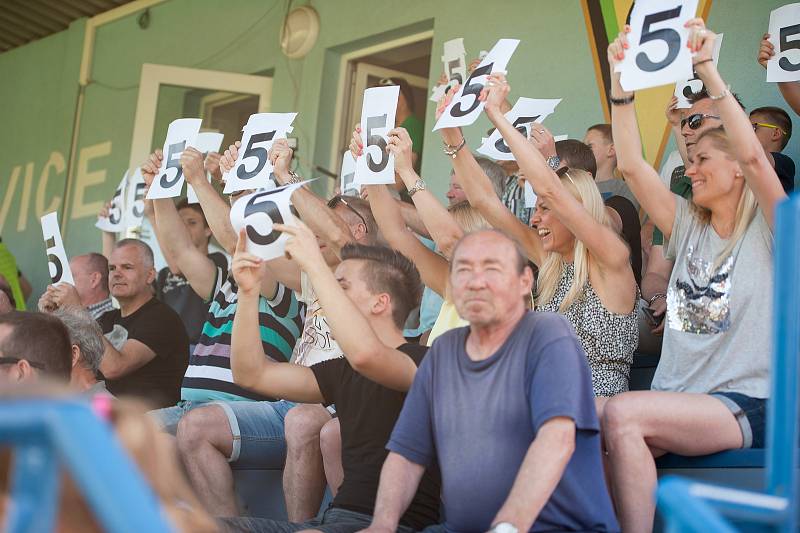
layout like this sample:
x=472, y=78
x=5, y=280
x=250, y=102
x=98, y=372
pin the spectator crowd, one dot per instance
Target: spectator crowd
x=460, y=367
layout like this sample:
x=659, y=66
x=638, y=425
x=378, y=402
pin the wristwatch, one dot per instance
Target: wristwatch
x=553, y=162
x=295, y=177
x=504, y=527
x=418, y=186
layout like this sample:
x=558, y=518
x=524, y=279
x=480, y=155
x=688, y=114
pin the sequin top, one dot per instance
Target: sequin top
x=607, y=338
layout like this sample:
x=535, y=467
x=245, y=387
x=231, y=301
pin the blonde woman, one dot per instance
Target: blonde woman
x=584, y=265
x=710, y=388
x=445, y=226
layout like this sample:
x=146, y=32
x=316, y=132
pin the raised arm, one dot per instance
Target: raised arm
x=603, y=242
x=173, y=237
x=362, y=347
x=432, y=267
x=758, y=171
x=674, y=118
x=251, y=368
x=643, y=180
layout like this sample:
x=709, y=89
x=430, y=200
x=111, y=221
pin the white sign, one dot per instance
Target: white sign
x=56, y=255
x=253, y=167
x=114, y=222
x=658, y=54
x=207, y=141
x=181, y=134
x=557, y=138
x=465, y=107
x=524, y=112
x=348, y=174
x=530, y=196
x=376, y=165
x=784, y=34
x=455, y=66
x=258, y=212
x=685, y=88
x=134, y=199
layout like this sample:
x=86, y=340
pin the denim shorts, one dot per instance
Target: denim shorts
x=257, y=428
x=750, y=414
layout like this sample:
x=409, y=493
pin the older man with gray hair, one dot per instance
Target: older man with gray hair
x=86, y=338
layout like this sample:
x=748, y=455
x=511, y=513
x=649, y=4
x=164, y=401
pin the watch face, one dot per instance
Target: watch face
x=505, y=527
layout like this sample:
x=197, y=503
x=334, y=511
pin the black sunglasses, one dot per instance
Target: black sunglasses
x=15, y=360
x=696, y=120
x=336, y=200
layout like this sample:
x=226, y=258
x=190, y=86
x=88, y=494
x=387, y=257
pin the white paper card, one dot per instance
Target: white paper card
x=557, y=138
x=530, y=196
x=524, y=112
x=114, y=222
x=258, y=212
x=454, y=60
x=683, y=89
x=56, y=255
x=134, y=199
x=784, y=34
x=181, y=134
x=658, y=54
x=376, y=165
x=465, y=107
x=348, y=184
x=207, y=141
x=253, y=167
x=438, y=93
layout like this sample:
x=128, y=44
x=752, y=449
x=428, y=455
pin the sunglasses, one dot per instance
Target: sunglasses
x=564, y=171
x=15, y=360
x=765, y=125
x=336, y=200
x=696, y=120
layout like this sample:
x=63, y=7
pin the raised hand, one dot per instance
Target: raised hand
x=302, y=246
x=356, y=144
x=701, y=40
x=495, y=92
x=228, y=159
x=672, y=112
x=64, y=295
x=446, y=99
x=765, y=51
x=246, y=267
x=280, y=155
x=151, y=166
x=105, y=210
x=543, y=140
x=400, y=145
x=193, y=165
x=212, y=165
x=616, y=50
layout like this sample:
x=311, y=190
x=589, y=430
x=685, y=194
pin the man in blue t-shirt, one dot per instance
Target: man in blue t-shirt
x=505, y=406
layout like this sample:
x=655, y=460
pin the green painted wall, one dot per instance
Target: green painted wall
x=553, y=60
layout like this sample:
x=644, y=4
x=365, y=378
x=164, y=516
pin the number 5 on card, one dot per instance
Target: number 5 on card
x=784, y=34
x=658, y=54
x=376, y=165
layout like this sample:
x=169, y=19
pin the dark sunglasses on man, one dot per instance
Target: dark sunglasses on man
x=696, y=120
x=338, y=199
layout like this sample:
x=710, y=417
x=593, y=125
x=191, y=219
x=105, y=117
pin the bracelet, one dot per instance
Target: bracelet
x=451, y=150
x=656, y=297
x=621, y=101
x=701, y=62
x=296, y=178
x=721, y=95
x=419, y=185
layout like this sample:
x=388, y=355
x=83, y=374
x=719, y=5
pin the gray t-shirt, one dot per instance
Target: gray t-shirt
x=719, y=320
x=616, y=187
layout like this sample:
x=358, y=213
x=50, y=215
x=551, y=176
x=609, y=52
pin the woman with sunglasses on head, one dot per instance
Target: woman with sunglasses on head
x=710, y=388
x=584, y=265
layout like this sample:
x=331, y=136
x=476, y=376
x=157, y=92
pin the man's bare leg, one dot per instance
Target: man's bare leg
x=303, y=475
x=330, y=442
x=205, y=443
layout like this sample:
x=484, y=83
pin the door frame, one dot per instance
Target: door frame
x=347, y=81
x=154, y=76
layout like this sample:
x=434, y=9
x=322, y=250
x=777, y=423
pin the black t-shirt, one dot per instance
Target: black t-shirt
x=367, y=413
x=160, y=329
x=175, y=291
x=784, y=168
x=631, y=231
